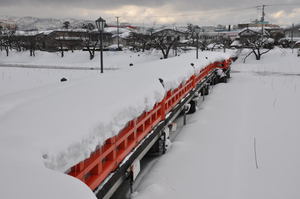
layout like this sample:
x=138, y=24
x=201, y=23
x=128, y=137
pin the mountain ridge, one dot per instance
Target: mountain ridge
x=36, y=23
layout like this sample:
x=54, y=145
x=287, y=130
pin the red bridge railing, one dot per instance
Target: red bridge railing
x=106, y=158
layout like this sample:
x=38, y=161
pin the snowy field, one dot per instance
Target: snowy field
x=112, y=59
x=47, y=123
x=18, y=79
x=213, y=157
x=243, y=143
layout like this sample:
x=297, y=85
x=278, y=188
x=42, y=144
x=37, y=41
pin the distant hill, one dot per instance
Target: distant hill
x=32, y=23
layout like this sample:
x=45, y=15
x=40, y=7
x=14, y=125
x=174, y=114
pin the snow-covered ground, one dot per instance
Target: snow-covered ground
x=44, y=122
x=112, y=59
x=255, y=114
x=18, y=79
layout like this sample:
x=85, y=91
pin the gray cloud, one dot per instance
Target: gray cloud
x=103, y=4
x=197, y=11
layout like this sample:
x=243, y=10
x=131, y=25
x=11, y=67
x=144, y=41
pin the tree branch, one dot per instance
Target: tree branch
x=244, y=61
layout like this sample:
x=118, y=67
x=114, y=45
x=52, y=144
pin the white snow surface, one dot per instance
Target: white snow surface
x=59, y=125
x=111, y=60
x=213, y=156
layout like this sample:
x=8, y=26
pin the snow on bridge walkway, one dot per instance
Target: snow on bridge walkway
x=213, y=157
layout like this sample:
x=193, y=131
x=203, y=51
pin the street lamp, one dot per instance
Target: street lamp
x=197, y=31
x=100, y=23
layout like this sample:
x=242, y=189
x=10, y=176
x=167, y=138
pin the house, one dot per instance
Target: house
x=251, y=34
x=257, y=24
x=54, y=40
x=74, y=39
x=169, y=35
x=29, y=40
x=292, y=33
x=236, y=44
x=119, y=35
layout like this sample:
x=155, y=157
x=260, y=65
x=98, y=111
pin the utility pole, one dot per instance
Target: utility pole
x=292, y=38
x=118, y=32
x=292, y=33
x=262, y=20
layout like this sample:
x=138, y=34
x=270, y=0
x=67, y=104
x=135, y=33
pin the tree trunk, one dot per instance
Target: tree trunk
x=7, y=51
x=257, y=57
x=258, y=54
x=92, y=55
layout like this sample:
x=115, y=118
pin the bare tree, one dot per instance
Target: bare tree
x=90, y=43
x=66, y=25
x=258, y=45
x=88, y=26
x=203, y=44
x=165, y=40
x=191, y=32
x=7, y=41
x=139, y=41
x=32, y=45
x=61, y=44
x=224, y=42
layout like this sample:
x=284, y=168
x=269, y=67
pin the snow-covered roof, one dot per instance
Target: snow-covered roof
x=122, y=35
x=27, y=33
x=114, y=30
x=254, y=29
x=167, y=30
x=270, y=40
x=236, y=43
x=114, y=46
x=214, y=45
x=125, y=35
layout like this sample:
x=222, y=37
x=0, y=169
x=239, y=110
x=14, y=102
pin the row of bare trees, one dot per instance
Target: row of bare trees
x=9, y=41
x=159, y=40
x=168, y=39
x=164, y=40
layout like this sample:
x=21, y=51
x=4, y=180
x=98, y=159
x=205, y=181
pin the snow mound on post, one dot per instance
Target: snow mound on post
x=64, y=126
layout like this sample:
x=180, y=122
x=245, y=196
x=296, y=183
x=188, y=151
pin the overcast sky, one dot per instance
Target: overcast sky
x=202, y=12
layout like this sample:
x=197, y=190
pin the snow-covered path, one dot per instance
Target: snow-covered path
x=213, y=157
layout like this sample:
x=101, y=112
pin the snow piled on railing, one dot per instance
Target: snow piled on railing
x=63, y=127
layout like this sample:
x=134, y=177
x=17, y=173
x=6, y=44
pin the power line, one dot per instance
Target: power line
x=283, y=4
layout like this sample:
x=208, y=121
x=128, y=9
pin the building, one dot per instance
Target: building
x=54, y=40
x=257, y=24
x=170, y=34
x=250, y=34
x=292, y=33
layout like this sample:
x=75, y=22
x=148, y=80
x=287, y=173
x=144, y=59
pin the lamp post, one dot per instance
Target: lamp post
x=100, y=23
x=118, y=32
x=197, y=30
